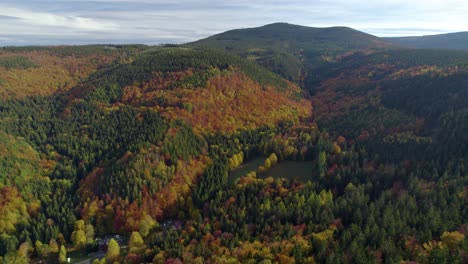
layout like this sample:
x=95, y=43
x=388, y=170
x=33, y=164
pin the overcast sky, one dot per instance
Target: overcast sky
x=54, y=22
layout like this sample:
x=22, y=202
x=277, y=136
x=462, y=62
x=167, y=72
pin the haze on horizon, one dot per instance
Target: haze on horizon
x=57, y=22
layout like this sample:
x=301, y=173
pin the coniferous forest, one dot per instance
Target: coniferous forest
x=339, y=147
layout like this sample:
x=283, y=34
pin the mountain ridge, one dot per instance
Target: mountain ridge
x=292, y=29
x=455, y=40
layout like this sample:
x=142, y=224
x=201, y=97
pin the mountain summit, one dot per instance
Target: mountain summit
x=291, y=37
x=287, y=49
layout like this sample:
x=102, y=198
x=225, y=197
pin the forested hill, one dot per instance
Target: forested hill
x=210, y=89
x=454, y=41
x=293, y=37
x=291, y=50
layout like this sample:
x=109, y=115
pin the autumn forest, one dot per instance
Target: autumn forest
x=277, y=144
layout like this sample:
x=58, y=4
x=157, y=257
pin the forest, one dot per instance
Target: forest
x=172, y=148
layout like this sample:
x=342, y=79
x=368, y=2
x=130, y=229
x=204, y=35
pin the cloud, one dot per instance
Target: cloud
x=53, y=20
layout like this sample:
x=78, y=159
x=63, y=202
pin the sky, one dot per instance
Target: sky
x=73, y=22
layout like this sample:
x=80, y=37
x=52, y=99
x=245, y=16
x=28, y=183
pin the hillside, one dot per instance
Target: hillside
x=454, y=41
x=394, y=97
x=210, y=90
x=292, y=50
x=28, y=71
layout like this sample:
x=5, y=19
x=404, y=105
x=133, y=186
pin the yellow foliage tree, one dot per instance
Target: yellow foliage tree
x=13, y=210
x=235, y=161
x=79, y=238
x=159, y=258
x=136, y=244
x=452, y=239
x=146, y=224
x=63, y=254
x=102, y=261
x=273, y=159
x=79, y=225
x=240, y=157
x=113, y=250
x=430, y=245
x=325, y=235
x=89, y=230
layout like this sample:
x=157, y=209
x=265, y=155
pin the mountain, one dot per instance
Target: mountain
x=291, y=38
x=291, y=50
x=455, y=41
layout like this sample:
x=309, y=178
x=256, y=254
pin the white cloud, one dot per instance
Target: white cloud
x=54, y=20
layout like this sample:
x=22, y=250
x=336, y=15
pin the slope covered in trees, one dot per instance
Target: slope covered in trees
x=28, y=71
x=391, y=90
x=210, y=90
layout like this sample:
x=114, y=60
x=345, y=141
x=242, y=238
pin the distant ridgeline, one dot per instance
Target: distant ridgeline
x=173, y=147
x=450, y=41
